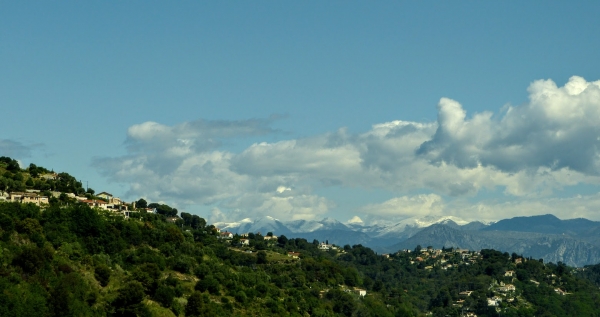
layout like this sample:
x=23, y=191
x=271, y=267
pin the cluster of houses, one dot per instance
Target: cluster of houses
x=107, y=202
x=358, y=291
x=326, y=246
x=441, y=257
x=503, y=292
x=244, y=236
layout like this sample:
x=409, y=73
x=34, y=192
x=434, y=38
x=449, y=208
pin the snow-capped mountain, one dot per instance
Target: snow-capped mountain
x=313, y=225
x=409, y=226
x=262, y=225
x=303, y=225
x=580, y=237
x=354, y=231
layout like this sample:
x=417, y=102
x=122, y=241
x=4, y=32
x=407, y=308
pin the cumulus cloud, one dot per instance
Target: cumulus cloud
x=525, y=151
x=287, y=207
x=557, y=128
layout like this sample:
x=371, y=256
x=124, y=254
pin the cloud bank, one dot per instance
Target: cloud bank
x=523, y=152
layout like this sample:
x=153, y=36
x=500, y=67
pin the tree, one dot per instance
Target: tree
x=164, y=209
x=164, y=295
x=129, y=300
x=194, y=305
x=209, y=284
x=102, y=274
x=198, y=222
x=141, y=203
x=282, y=240
x=187, y=218
x=261, y=257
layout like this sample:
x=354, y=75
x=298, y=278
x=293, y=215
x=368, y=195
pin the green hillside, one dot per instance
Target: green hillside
x=67, y=259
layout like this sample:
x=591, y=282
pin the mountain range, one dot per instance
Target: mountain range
x=575, y=242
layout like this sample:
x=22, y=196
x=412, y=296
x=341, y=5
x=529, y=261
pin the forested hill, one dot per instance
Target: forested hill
x=77, y=261
x=65, y=258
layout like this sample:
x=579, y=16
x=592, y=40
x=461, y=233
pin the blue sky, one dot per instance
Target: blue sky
x=308, y=109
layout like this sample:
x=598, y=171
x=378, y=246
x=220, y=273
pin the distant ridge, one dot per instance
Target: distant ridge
x=573, y=241
x=544, y=224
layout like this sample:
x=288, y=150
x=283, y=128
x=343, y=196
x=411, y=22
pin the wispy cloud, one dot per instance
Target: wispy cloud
x=14, y=149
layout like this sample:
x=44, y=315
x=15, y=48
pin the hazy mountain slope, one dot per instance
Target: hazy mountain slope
x=474, y=226
x=551, y=248
x=544, y=224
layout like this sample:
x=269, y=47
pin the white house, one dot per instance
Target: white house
x=226, y=235
x=105, y=195
x=96, y=203
x=361, y=292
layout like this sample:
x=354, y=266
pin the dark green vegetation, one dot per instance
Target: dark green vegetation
x=74, y=260
x=591, y=273
x=71, y=260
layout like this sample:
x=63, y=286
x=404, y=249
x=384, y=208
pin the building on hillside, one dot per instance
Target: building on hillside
x=535, y=282
x=226, y=235
x=324, y=246
x=105, y=195
x=173, y=219
x=294, y=255
x=507, y=288
x=25, y=198
x=127, y=213
x=465, y=293
x=245, y=241
x=95, y=203
x=560, y=291
x=493, y=301
x=361, y=292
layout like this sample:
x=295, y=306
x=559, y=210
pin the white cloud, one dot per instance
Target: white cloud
x=557, y=128
x=290, y=207
x=565, y=208
x=407, y=206
x=578, y=206
x=526, y=151
x=216, y=215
